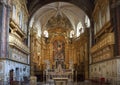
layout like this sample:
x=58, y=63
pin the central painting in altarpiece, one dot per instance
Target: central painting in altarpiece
x=59, y=53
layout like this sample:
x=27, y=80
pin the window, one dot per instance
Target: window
x=14, y=12
x=108, y=13
x=71, y=33
x=100, y=20
x=79, y=29
x=20, y=19
x=46, y=33
x=97, y=22
x=25, y=28
x=87, y=21
x=103, y=16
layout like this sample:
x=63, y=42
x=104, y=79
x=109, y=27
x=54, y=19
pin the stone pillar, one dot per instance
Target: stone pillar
x=4, y=28
x=115, y=18
x=66, y=56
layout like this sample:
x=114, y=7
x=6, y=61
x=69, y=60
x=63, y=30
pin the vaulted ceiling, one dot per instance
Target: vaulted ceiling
x=51, y=13
x=86, y=5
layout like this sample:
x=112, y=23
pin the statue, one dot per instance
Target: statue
x=47, y=64
x=70, y=65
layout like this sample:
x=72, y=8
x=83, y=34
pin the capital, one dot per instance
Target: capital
x=5, y=2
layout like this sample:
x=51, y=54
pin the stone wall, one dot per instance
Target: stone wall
x=110, y=70
x=23, y=70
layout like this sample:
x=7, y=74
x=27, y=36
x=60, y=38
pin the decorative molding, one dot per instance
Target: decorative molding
x=107, y=40
x=18, y=44
x=13, y=25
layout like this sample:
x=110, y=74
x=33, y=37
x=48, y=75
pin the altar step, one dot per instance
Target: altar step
x=69, y=83
x=72, y=83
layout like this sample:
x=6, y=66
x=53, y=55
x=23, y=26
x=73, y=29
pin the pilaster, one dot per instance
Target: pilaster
x=118, y=25
x=4, y=27
x=115, y=14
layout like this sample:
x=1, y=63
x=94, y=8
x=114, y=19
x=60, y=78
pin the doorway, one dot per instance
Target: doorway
x=11, y=74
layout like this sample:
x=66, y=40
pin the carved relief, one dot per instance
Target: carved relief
x=103, y=49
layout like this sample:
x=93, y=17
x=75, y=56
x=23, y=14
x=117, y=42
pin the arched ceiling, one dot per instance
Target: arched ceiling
x=70, y=11
x=86, y=5
x=40, y=15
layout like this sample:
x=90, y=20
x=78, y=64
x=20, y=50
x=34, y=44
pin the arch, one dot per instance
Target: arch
x=86, y=5
x=59, y=37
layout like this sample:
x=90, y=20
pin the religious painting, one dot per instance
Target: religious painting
x=59, y=52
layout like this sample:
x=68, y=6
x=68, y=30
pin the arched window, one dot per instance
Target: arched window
x=14, y=12
x=25, y=28
x=80, y=29
x=100, y=20
x=46, y=33
x=107, y=13
x=87, y=21
x=71, y=33
x=20, y=19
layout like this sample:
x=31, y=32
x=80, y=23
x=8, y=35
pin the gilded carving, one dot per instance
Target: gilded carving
x=59, y=21
x=107, y=40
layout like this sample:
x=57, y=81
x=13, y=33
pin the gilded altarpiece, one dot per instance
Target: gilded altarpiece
x=59, y=53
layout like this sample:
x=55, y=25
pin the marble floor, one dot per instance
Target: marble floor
x=62, y=83
x=71, y=83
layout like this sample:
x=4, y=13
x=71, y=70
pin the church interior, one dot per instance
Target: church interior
x=59, y=42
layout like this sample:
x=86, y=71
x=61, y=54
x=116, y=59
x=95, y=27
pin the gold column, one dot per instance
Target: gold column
x=51, y=54
x=74, y=55
x=66, y=55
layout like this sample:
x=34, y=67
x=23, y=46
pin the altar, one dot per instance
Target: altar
x=60, y=76
x=60, y=81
